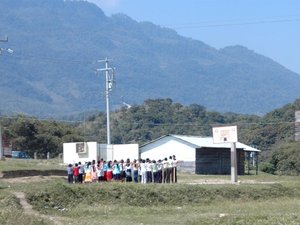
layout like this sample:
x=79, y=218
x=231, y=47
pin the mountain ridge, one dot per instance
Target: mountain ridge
x=57, y=44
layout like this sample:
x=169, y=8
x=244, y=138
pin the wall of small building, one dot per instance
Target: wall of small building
x=166, y=147
x=123, y=151
x=95, y=151
x=218, y=161
x=70, y=156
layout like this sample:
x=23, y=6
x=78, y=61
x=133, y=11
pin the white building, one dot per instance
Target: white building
x=87, y=151
x=198, y=154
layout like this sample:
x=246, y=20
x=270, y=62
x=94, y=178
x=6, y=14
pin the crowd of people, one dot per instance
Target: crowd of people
x=138, y=171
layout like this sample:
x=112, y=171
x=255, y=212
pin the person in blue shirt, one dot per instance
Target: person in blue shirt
x=116, y=171
x=70, y=173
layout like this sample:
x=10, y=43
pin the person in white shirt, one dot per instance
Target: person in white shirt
x=149, y=171
x=143, y=172
x=159, y=171
x=155, y=172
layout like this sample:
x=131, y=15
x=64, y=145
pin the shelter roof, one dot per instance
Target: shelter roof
x=202, y=142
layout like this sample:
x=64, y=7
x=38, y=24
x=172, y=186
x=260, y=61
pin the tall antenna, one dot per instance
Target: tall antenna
x=109, y=76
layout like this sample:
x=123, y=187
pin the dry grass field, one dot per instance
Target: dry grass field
x=256, y=199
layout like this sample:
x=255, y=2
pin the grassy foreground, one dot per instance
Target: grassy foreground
x=262, y=199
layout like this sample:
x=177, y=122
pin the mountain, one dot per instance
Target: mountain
x=57, y=44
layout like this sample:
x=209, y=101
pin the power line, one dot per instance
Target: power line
x=53, y=60
x=158, y=124
x=201, y=25
x=41, y=119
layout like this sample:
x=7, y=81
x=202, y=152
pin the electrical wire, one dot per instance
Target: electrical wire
x=160, y=124
x=51, y=60
x=202, y=25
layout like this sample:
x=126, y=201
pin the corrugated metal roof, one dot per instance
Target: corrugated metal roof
x=200, y=142
x=208, y=142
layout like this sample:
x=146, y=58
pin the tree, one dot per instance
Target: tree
x=35, y=136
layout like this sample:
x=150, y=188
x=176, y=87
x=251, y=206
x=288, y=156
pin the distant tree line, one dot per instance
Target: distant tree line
x=272, y=133
x=39, y=136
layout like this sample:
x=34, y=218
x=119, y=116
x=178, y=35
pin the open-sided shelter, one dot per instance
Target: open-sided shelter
x=197, y=154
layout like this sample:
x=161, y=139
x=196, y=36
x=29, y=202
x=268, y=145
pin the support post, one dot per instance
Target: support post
x=256, y=159
x=248, y=160
x=233, y=163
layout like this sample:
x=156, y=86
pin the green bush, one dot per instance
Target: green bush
x=267, y=167
x=286, y=159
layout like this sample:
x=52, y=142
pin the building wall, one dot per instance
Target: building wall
x=95, y=151
x=70, y=156
x=217, y=161
x=166, y=147
x=125, y=151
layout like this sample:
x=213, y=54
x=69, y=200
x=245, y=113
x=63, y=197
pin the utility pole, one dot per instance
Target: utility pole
x=109, y=76
x=9, y=51
x=1, y=147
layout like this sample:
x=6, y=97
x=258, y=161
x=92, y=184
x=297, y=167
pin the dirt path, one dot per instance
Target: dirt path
x=30, y=211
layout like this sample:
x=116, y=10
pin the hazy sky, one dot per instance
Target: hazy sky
x=269, y=27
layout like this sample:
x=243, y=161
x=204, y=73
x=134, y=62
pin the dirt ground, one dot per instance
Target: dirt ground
x=27, y=208
x=28, y=179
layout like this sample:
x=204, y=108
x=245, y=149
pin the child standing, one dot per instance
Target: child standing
x=159, y=170
x=70, y=173
x=149, y=171
x=116, y=171
x=76, y=173
x=88, y=173
x=155, y=172
x=128, y=168
x=135, y=171
x=81, y=172
x=109, y=174
x=143, y=172
x=101, y=170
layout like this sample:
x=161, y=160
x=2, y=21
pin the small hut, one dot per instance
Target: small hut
x=197, y=154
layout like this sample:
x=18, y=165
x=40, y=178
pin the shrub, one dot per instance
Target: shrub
x=267, y=167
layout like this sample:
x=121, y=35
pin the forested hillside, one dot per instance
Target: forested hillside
x=57, y=44
x=273, y=134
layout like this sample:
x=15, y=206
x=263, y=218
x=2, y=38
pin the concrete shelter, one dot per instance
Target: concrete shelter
x=198, y=154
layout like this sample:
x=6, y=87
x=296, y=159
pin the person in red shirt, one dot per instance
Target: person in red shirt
x=76, y=173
